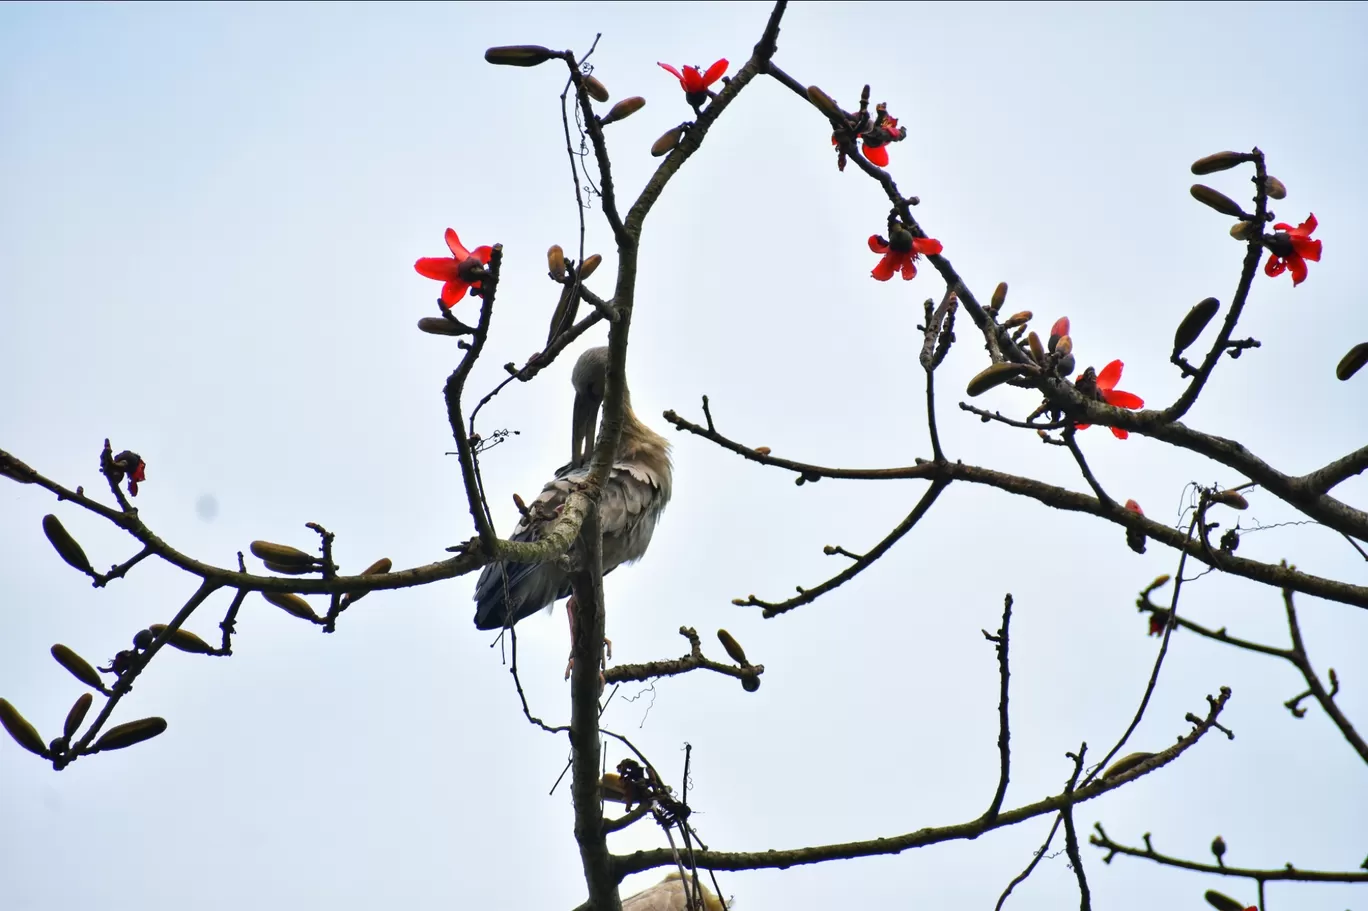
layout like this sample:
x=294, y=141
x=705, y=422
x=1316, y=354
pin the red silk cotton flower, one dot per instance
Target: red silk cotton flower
x=460, y=271
x=1106, y=388
x=900, y=254
x=1291, y=248
x=694, y=82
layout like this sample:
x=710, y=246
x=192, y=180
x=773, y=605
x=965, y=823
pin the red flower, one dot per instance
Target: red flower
x=1134, y=507
x=136, y=477
x=695, y=83
x=1106, y=387
x=901, y=254
x=1291, y=248
x=1157, y=623
x=459, y=271
x=874, y=145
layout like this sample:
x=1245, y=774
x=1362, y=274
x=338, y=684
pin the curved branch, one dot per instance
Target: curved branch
x=1288, y=873
x=671, y=667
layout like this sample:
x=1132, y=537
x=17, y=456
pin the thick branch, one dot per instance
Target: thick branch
x=1323, y=479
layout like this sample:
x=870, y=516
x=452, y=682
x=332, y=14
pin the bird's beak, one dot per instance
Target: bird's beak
x=584, y=425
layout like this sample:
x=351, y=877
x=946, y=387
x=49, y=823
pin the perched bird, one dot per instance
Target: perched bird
x=637, y=489
x=669, y=895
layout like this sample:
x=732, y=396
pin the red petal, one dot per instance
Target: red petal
x=1061, y=327
x=715, y=72
x=878, y=244
x=928, y=246
x=672, y=71
x=1134, y=507
x=1082, y=426
x=483, y=254
x=1124, y=399
x=1110, y=375
x=441, y=269
x=1307, y=248
x=1275, y=267
x=1308, y=226
x=1283, y=226
x=693, y=80
x=454, y=244
x=139, y=474
x=1298, y=267
x=877, y=155
x=1119, y=433
x=909, y=269
x=452, y=292
x=886, y=267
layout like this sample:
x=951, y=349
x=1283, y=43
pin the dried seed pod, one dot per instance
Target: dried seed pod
x=623, y=109
x=519, y=55
x=385, y=564
x=825, y=103
x=999, y=297
x=733, y=647
x=80, y=668
x=1125, y=764
x=763, y=450
x=24, y=734
x=66, y=545
x=555, y=262
x=282, y=554
x=436, y=325
x=995, y=375
x=77, y=715
x=1231, y=498
x=129, y=733
x=289, y=570
x=1245, y=230
x=597, y=90
x=1221, y=161
x=668, y=140
x=1275, y=187
x=1193, y=324
x=1017, y=319
x=750, y=684
x=292, y=604
x=590, y=264
x=1353, y=361
x=1223, y=902
x=184, y=640
x=1216, y=200
x=1037, y=349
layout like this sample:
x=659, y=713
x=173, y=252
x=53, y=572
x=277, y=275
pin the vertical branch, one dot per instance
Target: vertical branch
x=1071, y=837
x=1313, y=681
x=1004, y=729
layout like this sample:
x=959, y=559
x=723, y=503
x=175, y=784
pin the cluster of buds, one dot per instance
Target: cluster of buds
x=874, y=131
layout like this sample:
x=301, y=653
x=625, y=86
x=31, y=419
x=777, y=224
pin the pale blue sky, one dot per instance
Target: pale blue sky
x=208, y=219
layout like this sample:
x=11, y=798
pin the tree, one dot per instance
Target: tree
x=1056, y=570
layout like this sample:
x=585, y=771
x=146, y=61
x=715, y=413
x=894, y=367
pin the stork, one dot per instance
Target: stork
x=630, y=504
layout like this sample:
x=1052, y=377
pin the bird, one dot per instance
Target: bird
x=669, y=895
x=630, y=504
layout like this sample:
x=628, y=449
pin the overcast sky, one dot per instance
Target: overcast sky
x=208, y=219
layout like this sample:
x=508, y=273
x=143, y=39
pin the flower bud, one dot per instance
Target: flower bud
x=1231, y=498
x=1223, y=902
x=1216, y=200
x=1058, y=331
x=750, y=684
x=1125, y=764
x=281, y=554
x=519, y=55
x=1159, y=582
x=1017, y=319
x=78, y=666
x=999, y=297
x=824, y=103
x=1218, y=847
x=666, y=143
x=289, y=570
x=66, y=545
x=184, y=640
x=292, y=604
x=624, y=109
x=591, y=262
x=436, y=325
x=19, y=728
x=142, y=639
x=129, y=733
x=1245, y=230
x=1221, y=161
x=597, y=90
x=1062, y=348
x=1193, y=324
x=385, y=564
x=1275, y=187
x=1353, y=361
x=1037, y=349
x=763, y=450
x=733, y=647
x=555, y=262
x=995, y=375
x=77, y=715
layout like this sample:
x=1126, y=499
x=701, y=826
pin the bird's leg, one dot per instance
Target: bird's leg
x=607, y=645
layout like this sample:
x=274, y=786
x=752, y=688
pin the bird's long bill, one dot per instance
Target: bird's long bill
x=584, y=424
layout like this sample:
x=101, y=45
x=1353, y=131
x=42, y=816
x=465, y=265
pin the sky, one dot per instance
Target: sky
x=208, y=219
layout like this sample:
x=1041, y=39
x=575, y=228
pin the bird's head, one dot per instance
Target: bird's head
x=590, y=379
